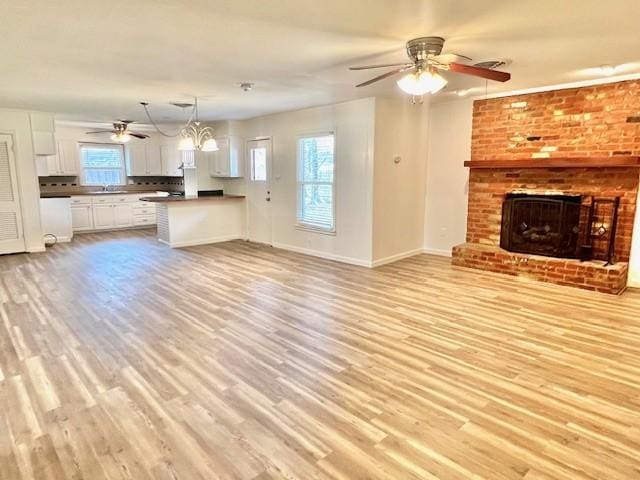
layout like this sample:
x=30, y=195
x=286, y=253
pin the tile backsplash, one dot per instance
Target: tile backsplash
x=134, y=184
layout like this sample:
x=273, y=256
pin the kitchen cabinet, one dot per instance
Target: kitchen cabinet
x=64, y=163
x=143, y=159
x=122, y=215
x=228, y=161
x=43, y=133
x=111, y=212
x=103, y=216
x=81, y=216
x=171, y=160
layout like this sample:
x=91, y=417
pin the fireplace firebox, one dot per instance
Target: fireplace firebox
x=549, y=225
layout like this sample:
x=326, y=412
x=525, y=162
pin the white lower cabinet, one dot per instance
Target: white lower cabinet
x=103, y=216
x=81, y=218
x=110, y=212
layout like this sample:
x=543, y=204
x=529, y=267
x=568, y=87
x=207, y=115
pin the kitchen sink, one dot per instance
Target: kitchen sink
x=108, y=193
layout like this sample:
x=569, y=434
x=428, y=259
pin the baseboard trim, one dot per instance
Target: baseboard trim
x=202, y=241
x=327, y=256
x=437, y=251
x=396, y=257
x=38, y=249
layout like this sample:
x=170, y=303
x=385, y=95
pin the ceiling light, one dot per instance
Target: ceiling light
x=121, y=137
x=194, y=135
x=607, y=70
x=421, y=82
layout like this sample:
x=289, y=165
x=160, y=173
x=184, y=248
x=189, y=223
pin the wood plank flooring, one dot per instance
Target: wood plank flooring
x=123, y=359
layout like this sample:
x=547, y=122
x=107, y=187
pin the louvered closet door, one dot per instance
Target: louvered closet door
x=11, y=238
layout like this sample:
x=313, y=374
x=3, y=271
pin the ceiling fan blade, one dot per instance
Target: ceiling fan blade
x=100, y=131
x=384, y=75
x=480, y=72
x=367, y=67
x=137, y=134
x=447, y=58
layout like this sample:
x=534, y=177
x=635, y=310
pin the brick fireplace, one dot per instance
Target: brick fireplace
x=581, y=142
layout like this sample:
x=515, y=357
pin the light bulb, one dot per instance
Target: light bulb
x=210, y=145
x=186, y=144
x=121, y=137
x=419, y=83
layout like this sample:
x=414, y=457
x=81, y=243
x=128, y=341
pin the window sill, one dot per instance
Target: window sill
x=313, y=229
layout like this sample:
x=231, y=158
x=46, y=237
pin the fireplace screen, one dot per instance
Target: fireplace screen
x=542, y=224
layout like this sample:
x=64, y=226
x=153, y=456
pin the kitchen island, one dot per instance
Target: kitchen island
x=187, y=221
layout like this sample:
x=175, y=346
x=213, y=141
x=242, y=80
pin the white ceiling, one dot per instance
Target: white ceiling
x=96, y=59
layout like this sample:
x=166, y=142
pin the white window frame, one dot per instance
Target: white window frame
x=123, y=173
x=300, y=223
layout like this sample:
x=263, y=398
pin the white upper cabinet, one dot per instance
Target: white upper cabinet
x=228, y=161
x=154, y=159
x=43, y=133
x=171, y=160
x=68, y=157
x=64, y=162
x=143, y=159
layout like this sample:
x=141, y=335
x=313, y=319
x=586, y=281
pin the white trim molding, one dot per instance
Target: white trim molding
x=327, y=256
x=437, y=251
x=396, y=257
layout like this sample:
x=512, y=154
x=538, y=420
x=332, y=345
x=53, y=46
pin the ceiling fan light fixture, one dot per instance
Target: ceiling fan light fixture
x=121, y=137
x=210, y=145
x=420, y=83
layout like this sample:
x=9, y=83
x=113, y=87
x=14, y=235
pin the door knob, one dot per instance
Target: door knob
x=268, y=199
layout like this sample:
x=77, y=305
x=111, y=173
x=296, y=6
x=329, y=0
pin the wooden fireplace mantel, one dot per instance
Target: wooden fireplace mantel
x=564, y=162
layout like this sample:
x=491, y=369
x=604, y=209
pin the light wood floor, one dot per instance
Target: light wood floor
x=123, y=359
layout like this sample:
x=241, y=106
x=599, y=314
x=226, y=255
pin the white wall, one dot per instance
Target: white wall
x=353, y=124
x=399, y=188
x=17, y=124
x=447, y=179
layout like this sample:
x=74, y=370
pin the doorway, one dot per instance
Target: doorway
x=259, y=222
x=11, y=234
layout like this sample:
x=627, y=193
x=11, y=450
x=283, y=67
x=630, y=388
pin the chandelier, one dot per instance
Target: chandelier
x=193, y=135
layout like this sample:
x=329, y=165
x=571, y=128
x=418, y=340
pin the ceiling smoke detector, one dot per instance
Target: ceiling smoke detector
x=246, y=86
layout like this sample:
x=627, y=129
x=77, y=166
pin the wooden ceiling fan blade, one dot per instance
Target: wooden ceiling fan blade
x=480, y=72
x=137, y=134
x=385, y=75
x=367, y=67
x=100, y=131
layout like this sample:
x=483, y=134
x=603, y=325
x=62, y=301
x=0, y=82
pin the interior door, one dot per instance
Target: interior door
x=11, y=234
x=259, y=191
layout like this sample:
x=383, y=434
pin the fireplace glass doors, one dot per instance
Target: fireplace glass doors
x=542, y=224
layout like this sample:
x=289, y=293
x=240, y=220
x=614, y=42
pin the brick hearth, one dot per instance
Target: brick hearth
x=564, y=124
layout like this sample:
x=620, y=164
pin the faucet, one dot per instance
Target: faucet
x=106, y=187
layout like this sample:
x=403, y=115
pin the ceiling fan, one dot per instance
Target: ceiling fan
x=120, y=132
x=427, y=59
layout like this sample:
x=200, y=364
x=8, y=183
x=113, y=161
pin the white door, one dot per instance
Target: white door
x=11, y=235
x=81, y=218
x=259, y=191
x=103, y=216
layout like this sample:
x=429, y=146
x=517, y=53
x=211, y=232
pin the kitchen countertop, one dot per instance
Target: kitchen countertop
x=175, y=199
x=93, y=194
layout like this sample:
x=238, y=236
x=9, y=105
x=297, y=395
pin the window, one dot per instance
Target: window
x=259, y=164
x=316, y=193
x=102, y=164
